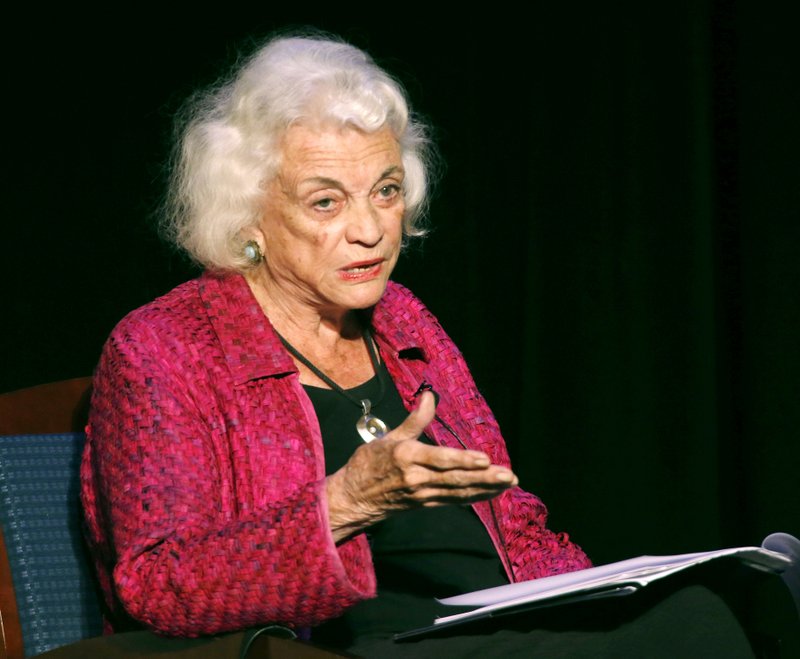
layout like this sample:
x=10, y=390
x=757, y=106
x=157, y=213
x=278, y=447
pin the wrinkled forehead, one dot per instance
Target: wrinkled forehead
x=334, y=151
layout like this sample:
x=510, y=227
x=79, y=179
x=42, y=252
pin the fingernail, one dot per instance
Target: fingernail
x=506, y=476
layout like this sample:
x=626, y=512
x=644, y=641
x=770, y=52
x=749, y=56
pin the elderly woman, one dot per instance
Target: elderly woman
x=292, y=438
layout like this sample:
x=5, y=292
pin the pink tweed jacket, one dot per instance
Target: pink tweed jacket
x=203, y=475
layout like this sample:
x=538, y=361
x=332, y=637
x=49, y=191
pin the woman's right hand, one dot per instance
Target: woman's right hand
x=398, y=472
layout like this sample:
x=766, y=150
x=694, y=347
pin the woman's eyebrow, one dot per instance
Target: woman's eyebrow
x=323, y=180
x=394, y=169
x=334, y=183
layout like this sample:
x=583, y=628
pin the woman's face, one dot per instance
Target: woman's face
x=332, y=221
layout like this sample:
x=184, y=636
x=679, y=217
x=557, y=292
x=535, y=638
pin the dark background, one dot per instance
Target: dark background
x=614, y=242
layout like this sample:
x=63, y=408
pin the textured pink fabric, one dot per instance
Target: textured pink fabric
x=203, y=475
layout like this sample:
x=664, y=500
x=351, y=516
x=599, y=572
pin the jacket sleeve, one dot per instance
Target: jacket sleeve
x=158, y=489
x=535, y=551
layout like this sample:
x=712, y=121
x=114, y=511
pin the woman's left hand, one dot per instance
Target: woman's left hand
x=398, y=472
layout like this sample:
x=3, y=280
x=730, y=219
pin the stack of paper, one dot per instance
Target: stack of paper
x=779, y=553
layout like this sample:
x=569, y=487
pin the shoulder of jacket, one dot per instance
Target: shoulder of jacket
x=398, y=297
x=173, y=313
x=403, y=313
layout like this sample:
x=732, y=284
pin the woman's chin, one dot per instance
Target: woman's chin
x=365, y=296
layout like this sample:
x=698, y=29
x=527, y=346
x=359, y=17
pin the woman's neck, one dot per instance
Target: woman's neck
x=300, y=320
x=332, y=340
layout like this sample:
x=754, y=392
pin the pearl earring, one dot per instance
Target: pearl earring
x=253, y=253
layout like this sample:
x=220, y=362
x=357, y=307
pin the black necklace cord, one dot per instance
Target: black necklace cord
x=373, y=358
x=425, y=386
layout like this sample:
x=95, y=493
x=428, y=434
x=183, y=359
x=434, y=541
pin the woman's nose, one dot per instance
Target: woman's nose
x=364, y=224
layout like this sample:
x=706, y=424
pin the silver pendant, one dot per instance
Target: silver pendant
x=370, y=427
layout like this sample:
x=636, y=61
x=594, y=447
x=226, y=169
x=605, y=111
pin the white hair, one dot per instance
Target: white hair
x=229, y=138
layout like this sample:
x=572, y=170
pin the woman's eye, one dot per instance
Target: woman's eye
x=324, y=204
x=388, y=191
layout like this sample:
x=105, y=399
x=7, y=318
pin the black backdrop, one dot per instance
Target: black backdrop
x=614, y=244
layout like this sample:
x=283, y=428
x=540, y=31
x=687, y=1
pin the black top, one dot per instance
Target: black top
x=418, y=554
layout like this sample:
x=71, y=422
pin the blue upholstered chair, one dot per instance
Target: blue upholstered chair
x=48, y=596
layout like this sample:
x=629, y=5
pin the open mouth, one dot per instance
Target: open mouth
x=357, y=270
x=360, y=268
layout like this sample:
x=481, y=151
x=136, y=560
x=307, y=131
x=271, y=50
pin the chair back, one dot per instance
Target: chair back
x=48, y=595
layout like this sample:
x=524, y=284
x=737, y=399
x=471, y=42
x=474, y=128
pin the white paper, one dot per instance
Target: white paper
x=780, y=553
